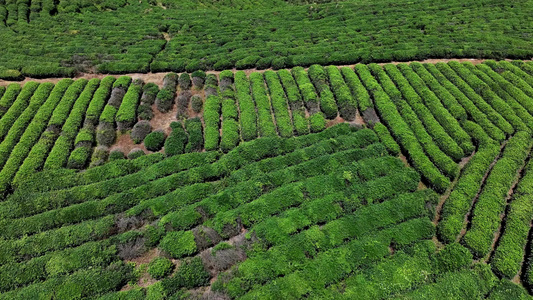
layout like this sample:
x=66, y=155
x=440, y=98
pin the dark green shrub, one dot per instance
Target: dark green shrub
x=160, y=267
x=155, y=140
x=386, y=138
x=136, y=153
x=264, y=63
x=196, y=137
x=127, y=113
x=176, y=141
x=116, y=154
x=279, y=63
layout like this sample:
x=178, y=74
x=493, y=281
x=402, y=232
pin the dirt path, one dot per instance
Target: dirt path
x=157, y=78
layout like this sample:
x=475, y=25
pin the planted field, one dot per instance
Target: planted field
x=59, y=38
x=406, y=181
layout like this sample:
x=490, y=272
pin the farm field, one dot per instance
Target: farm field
x=405, y=181
x=59, y=38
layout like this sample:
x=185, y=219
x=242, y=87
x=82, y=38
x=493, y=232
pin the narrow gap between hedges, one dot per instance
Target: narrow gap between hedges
x=503, y=215
x=468, y=216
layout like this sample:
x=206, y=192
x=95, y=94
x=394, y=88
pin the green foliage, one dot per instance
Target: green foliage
x=197, y=103
x=265, y=122
x=127, y=113
x=160, y=267
x=176, y=141
x=450, y=125
x=115, y=155
x=318, y=76
x=492, y=199
x=212, y=122
x=401, y=131
x=136, y=153
x=347, y=104
x=178, y=244
x=248, y=117
x=479, y=117
x=190, y=274
x=483, y=106
x=511, y=248
x=155, y=140
x=279, y=104
x=150, y=91
x=453, y=258
x=99, y=99
x=386, y=138
x=466, y=188
x=439, y=156
x=59, y=154
x=317, y=122
x=79, y=157
x=9, y=97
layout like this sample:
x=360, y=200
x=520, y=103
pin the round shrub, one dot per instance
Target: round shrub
x=135, y=153
x=160, y=267
x=247, y=62
x=197, y=103
x=140, y=131
x=116, y=154
x=222, y=64
x=155, y=140
x=105, y=135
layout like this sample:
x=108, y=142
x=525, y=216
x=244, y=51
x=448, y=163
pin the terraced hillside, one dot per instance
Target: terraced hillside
x=397, y=181
x=59, y=38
